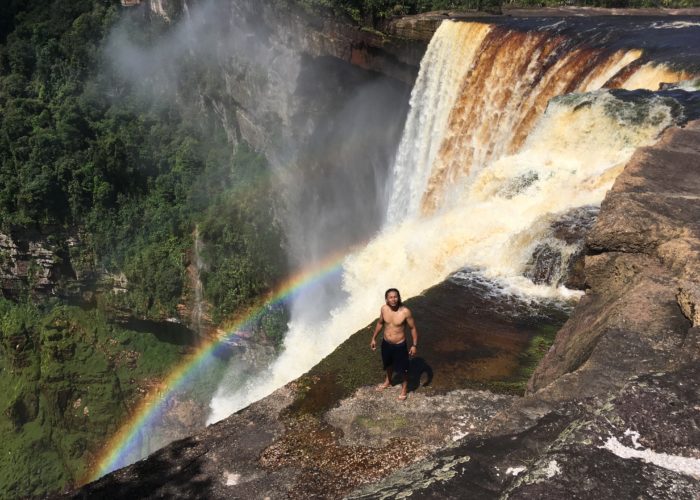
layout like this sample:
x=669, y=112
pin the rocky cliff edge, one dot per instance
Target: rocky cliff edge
x=611, y=411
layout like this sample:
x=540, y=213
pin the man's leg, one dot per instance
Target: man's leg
x=402, y=364
x=404, y=387
x=387, y=380
x=388, y=362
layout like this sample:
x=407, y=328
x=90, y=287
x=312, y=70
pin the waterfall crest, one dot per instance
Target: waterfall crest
x=507, y=79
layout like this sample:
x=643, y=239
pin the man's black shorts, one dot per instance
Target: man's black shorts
x=395, y=355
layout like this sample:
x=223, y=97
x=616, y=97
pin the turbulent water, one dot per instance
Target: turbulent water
x=508, y=130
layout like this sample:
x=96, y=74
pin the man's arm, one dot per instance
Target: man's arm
x=377, y=328
x=414, y=332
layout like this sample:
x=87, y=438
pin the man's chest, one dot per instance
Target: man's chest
x=394, y=318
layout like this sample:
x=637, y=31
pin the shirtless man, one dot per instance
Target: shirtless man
x=393, y=317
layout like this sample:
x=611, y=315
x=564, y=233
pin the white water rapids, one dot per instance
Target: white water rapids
x=489, y=155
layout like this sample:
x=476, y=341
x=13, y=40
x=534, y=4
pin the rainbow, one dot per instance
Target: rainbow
x=126, y=441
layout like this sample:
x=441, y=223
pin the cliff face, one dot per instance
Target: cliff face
x=26, y=266
x=60, y=265
x=263, y=93
x=324, y=100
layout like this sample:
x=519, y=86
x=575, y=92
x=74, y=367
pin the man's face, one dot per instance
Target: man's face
x=392, y=300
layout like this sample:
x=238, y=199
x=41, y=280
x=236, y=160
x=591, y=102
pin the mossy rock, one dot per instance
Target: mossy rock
x=68, y=395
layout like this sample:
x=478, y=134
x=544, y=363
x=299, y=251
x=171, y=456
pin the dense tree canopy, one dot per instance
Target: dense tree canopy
x=82, y=151
x=371, y=11
x=80, y=148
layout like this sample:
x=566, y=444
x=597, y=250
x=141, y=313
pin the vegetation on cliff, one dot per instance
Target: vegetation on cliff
x=371, y=11
x=80, y=147
x=68, y=378
x=83, y=151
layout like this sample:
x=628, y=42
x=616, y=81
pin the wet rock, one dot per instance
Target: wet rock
x=573, y=226
x=545, y=265
x=576, y=276
x=559, y=258
x=644, y=249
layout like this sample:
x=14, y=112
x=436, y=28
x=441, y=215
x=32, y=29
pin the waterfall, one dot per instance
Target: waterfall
x=198, y=308
x=509, y=76
x=447, y=60
x=493, y=219
x=529, y=135
x=506, y=130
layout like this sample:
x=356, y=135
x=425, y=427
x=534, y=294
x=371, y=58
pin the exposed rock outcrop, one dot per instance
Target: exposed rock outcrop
x=25, y=266
x=620, y=445
x=329, y=432
x=32, y=263
x=612, y=409
x=689, y=300
x=558, y=259
x=642, y=271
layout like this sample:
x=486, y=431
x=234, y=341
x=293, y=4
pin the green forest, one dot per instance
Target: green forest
x=84, y=153
x=79, y=149
x=369, y=12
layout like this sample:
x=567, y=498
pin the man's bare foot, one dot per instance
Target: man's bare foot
x=383, y=386
x=402, y=397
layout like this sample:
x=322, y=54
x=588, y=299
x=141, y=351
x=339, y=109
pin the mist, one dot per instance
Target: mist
x=329, y=131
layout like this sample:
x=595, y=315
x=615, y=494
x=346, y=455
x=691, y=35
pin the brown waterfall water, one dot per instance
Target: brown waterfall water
x=508, y=78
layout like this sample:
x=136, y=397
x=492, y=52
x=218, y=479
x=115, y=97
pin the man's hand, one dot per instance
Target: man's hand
x=377, y=328
x=412, y=351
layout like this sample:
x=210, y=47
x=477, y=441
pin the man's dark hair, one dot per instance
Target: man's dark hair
x=386, y=295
